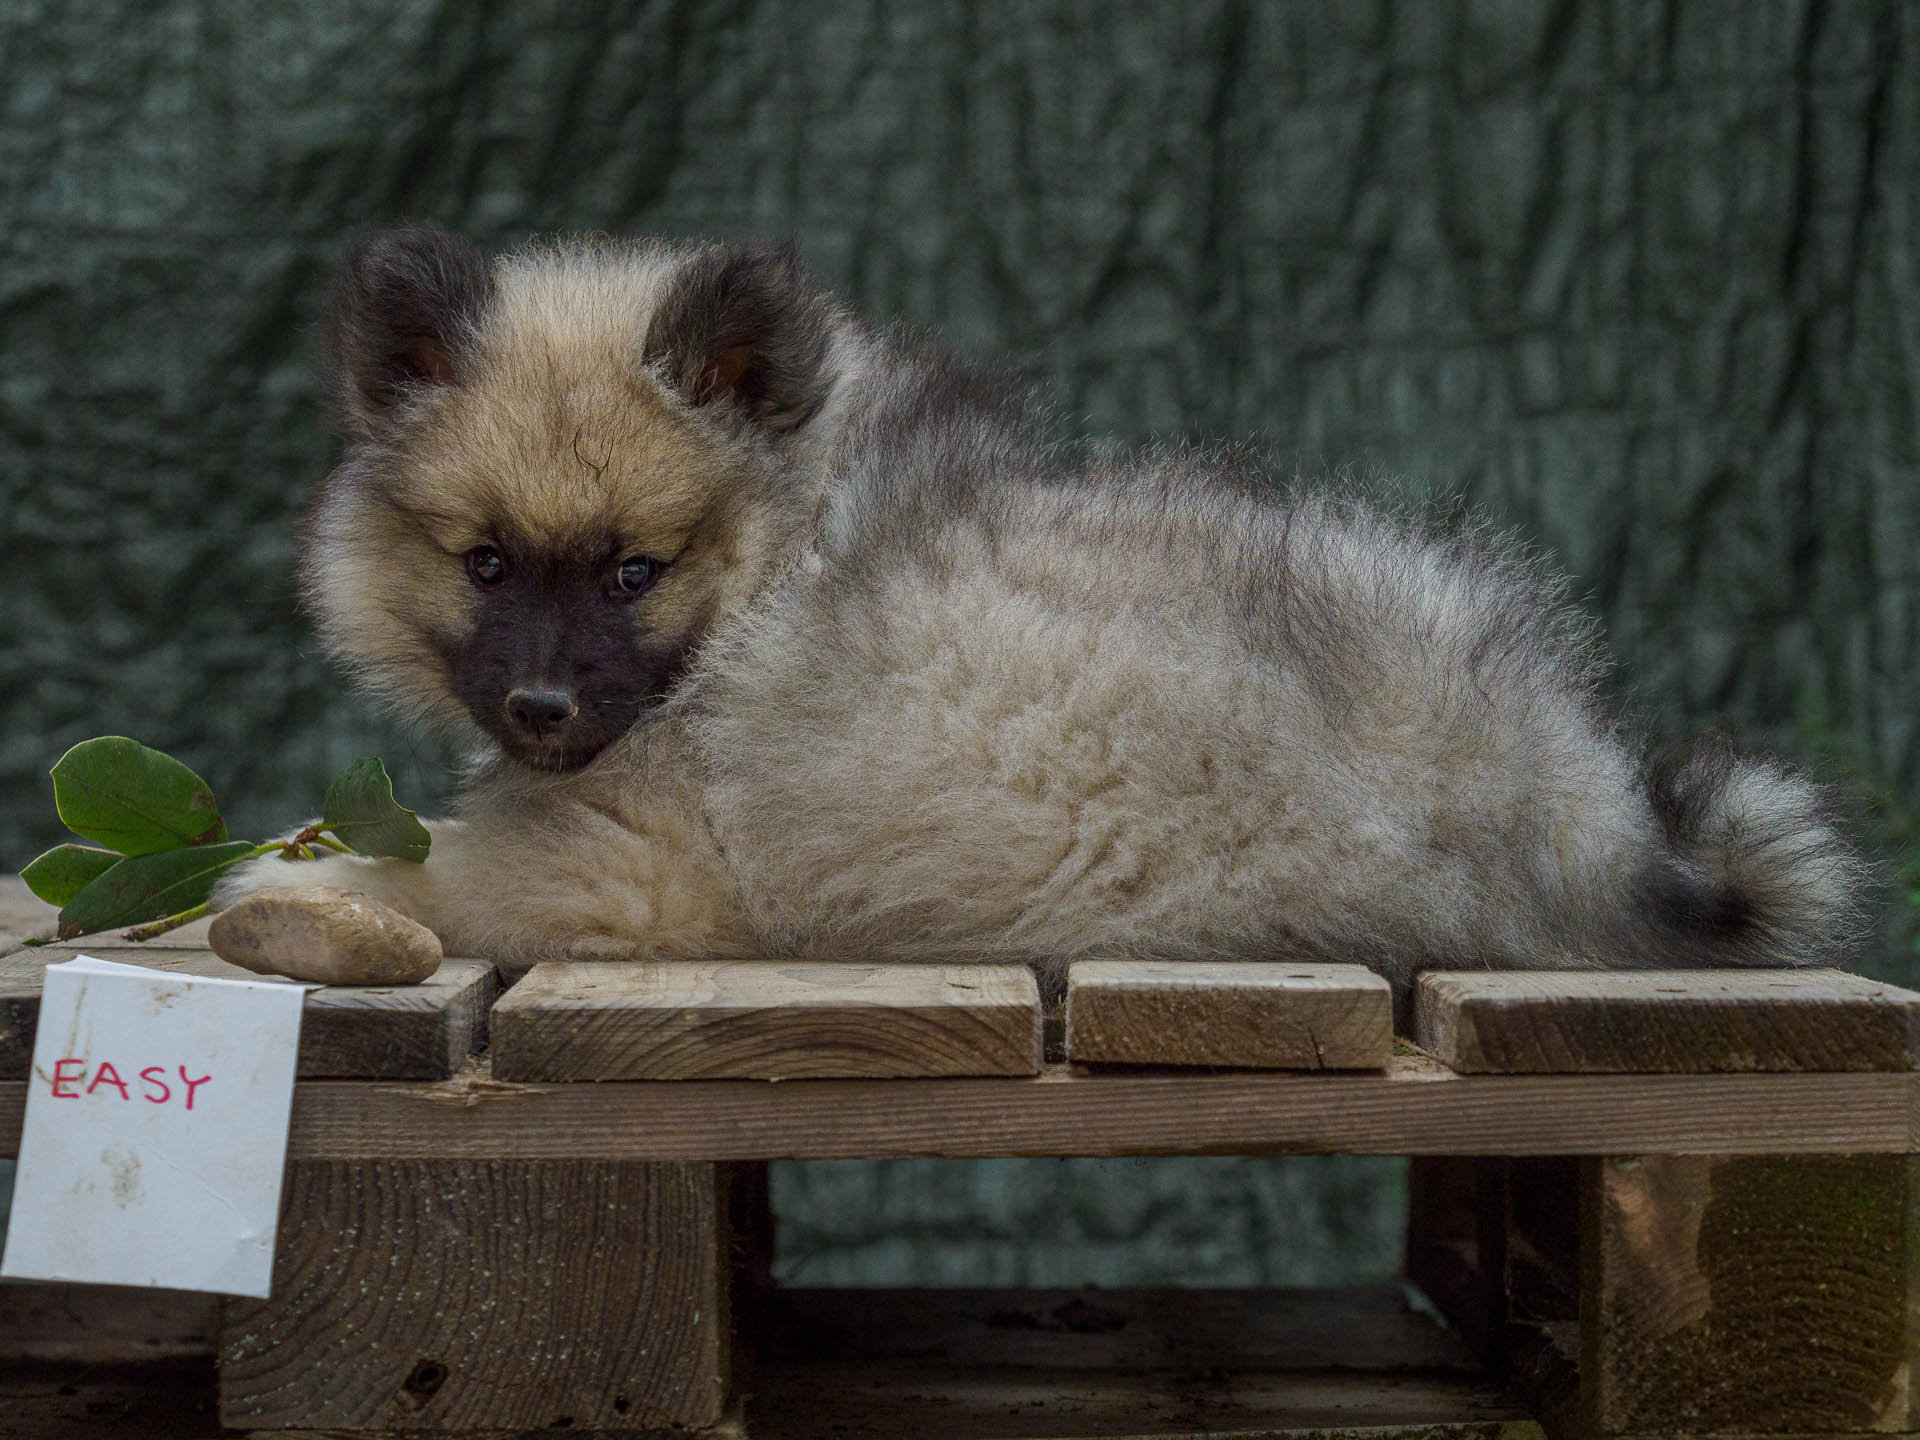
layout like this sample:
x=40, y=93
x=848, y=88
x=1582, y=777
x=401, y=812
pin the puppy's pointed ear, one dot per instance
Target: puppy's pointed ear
x=406, y=307
x=746, y=327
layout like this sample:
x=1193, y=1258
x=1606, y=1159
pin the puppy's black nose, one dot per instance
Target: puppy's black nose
x=540, y=712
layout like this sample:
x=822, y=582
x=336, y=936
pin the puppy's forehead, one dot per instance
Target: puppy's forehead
x=558, y=433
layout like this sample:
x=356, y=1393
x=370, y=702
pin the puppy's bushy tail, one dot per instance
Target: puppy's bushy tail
x=1758, y=869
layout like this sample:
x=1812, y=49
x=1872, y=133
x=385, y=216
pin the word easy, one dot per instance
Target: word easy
x=154, y=1084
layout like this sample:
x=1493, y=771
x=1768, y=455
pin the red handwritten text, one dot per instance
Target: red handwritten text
x=70, y=1081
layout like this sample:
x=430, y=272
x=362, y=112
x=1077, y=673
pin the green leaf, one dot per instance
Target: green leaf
x=132, y=799
x=64, y=871
x=148, y=887
x=361, y=813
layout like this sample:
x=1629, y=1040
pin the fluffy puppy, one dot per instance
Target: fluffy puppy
x=777, y=635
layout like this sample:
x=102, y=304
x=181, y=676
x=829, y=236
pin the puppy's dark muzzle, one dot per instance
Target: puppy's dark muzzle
x=541, y=714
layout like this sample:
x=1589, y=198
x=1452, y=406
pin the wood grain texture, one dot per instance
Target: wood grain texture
x=442, y=1296
x=192, y=936
x=968, y=1364
x=1252, y=1016
x=765, y=1020
x=1747, y=1295
x=1682, y=1021
x=1412, y=1108
x=406, y=1032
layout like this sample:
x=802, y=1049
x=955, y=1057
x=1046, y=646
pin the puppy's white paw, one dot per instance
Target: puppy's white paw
x=343, y=872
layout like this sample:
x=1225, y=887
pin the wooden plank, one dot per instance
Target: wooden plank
x=1412, y=1108
x=1048, y=1365
x=1680, y=1021
x=437, y=1296
x=765, y=1020
x=1253, y=1016
x=403, y=1032
x=1751, y=1295
x=192, y=936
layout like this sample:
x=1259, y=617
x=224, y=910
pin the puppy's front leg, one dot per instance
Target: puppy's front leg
x=577, y=882
x=416, y=890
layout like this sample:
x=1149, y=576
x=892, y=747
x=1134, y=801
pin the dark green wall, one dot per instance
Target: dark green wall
x=1641, y=278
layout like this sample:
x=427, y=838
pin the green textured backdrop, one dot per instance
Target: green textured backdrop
x=1638, y=277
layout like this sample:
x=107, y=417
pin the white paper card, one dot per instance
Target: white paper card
x=156, y=1129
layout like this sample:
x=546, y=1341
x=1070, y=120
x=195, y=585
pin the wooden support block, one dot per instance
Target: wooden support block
x=765, y=1020
x=401, y=1032
x=1249, y=1016
x=437, y=1295
x=1751, y=1295
x=1682, y=1021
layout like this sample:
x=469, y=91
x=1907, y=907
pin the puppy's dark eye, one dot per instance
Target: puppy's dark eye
x=486, y=565
x=637, y=572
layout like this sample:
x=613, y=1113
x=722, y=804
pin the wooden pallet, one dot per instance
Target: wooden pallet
x=1647, y=1205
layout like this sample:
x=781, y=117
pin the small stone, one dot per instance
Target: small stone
x=318, y=933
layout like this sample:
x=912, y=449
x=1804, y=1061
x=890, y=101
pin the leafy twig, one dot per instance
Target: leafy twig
x=172, y=922
x=166, y=844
